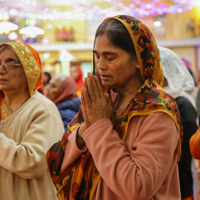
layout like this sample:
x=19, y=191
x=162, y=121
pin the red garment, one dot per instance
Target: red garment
x=66, y=91
x=79, y=80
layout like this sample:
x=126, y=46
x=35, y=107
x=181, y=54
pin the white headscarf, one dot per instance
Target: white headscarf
x=180, y=81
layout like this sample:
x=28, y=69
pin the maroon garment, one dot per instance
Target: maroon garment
x=67, y=91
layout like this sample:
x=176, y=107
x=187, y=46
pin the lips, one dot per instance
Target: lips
x=104, y=77
x=3, y=80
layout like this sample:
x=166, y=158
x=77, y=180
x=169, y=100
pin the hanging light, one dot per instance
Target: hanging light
x=157, y=23
x=31, y=31
x=13, y=36
x=6, y=27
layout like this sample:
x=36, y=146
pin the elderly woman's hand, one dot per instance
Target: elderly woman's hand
x=95, y=104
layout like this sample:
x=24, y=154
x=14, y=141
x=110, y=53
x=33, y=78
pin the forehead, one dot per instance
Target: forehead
x=74, y=68
x=55, y=80
x=7, y=52
x=103, y=44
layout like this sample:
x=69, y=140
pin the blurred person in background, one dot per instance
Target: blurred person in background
x=179, y=83
x=46, y=77
x=188, y=65
x=118, y=147
x=28, y=125
x=62, y=91
x=77, y=74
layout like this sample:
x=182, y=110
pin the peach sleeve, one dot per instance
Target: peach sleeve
x=137, y=173
x=194, y=145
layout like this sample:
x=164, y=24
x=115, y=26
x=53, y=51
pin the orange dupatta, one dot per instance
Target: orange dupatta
x=32, y=66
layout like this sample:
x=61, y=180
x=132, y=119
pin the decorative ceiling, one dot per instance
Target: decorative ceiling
x=92, y=9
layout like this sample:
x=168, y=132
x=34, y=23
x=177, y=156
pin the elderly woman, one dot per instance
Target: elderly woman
x=62, y=91
x=27, y=128
x=124, y=143
x=179, y=83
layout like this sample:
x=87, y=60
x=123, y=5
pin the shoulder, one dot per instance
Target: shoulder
x=185, y=105
x=159, y=123
x=159, y=117
x=69, y=104
x=39, y=103
x=181, y=101
x=155, y=116
x=156, y=120
x=186, y=109
x=158, y=128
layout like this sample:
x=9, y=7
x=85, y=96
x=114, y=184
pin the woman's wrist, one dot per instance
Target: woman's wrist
x=82, y=129
x=77, y=134
x=79, y=140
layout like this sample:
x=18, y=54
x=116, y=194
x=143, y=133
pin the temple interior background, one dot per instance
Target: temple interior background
x=63, y=31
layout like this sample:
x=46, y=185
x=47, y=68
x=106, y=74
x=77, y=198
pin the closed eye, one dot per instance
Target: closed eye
x=110, y=59
x=97, y=56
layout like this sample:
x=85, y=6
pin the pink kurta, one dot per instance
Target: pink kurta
x=143, y=167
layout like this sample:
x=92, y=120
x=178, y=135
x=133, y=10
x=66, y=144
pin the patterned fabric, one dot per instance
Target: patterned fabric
x=81, y=182
x=32, y=66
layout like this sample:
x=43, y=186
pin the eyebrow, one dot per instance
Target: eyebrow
x=10, y=59
x=105, y=52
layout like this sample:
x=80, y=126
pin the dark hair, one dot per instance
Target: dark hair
x=49, y=76
x=118, y=35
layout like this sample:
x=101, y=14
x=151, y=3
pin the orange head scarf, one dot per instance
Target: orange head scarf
x=31, y=63
x=32, y=66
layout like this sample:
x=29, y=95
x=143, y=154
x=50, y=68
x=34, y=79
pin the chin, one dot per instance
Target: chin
x=107, y=84
x=3, y=88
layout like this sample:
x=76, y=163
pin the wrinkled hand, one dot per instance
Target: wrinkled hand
x=95, y=104
x=86, y=122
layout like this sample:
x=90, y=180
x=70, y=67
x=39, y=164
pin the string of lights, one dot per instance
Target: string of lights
x=90, y=10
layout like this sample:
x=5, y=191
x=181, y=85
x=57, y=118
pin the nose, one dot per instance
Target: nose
x=2, y=69
x=101, y=64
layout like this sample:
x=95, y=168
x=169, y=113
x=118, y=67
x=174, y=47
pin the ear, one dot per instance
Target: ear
x=137, y=65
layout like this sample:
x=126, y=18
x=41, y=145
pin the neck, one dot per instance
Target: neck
x=128, y=92
x=15, y=99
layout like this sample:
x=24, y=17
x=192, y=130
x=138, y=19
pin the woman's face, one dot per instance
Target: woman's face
x=53, y=87
x=74, y=72
x=116, y=68
x=45, y=79
x=11, y=79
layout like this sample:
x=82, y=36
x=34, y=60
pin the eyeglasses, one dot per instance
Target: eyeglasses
x=10, y=67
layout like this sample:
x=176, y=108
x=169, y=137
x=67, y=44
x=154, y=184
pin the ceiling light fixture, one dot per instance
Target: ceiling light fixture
x=31, y=31
x=6, y=27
